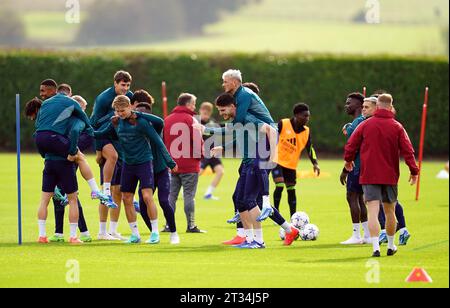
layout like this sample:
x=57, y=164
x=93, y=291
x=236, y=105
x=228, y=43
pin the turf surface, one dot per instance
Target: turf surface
x=201, y=261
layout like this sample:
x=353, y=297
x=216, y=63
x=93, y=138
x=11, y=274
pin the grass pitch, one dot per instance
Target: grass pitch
x=201, y=261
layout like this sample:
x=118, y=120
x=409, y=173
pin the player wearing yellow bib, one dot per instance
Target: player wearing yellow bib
x=294, y=137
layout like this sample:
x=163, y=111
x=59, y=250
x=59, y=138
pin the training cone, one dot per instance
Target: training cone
x=419, y=275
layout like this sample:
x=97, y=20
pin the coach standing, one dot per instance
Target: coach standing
x=185, y=146
x=381, y=139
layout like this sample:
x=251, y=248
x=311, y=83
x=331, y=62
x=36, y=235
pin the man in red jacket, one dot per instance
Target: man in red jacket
x=381, y=139
x=185, y=146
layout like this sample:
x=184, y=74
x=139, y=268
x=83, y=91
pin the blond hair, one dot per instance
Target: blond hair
x=207, y=106
x=121, y=101
x=386, y=100
x=80, y=100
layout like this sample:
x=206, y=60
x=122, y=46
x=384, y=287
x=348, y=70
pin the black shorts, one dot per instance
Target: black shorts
x=353, y=182
x=101, y=143
x=59, y=173
x=213, y=162
x=289, y=175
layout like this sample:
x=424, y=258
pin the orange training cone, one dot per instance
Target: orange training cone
x=419, y=275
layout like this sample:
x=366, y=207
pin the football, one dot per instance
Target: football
x=309, y=233
x=300, y=220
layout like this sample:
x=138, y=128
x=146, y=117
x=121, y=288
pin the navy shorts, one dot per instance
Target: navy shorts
x=134, y=174
x=289, y=175
x=59, y=173
x=353, y=183
x=248, y=187
x=101, y=143
x=85, y=142
x=49, y=142
x=213, y=162
x=117, y=175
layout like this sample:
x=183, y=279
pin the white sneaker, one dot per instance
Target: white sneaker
x=174, y=239
x=118, y=236
x=353, y=241
x=367, y=241
x=106, y=237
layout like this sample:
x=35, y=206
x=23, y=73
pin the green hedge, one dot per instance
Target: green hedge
x=323, y=81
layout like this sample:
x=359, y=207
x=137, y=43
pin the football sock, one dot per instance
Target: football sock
x=240, y=232
x=107, y=189
x=249, y=235
x=365, y=226
x=259, y=236
x=376, y=244
x=112, y=227
x=134, y=229
x=356, y=230
x=154, y=224
x=93, y=185
x=102, y=229
x=42, y=232
x=73, y=230
x=391, y=242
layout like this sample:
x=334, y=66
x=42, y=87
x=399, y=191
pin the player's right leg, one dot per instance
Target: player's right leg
x=128, y=184
x=401, y=227
x=217, y=167
x=110, y=155
x=277, y=175
x=88, y=175
x=355, y=210
x=103, y=211
x=114, y=213
x=67, y=180
x=49, y=182
x=373, y=195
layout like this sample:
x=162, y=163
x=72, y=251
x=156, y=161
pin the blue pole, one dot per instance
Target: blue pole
x=19, y=186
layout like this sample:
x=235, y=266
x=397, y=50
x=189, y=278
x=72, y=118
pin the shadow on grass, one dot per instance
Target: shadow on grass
x=342, y=260
x=181, y=249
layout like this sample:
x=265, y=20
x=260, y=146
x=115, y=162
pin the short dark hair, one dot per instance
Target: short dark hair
x=142, y=96
x=300, y=107
x=185, y=98
x=378, y=93
x=358, y=96
x=225, y=99
x=64, y=87
x=49, y=83
x=147, y=106
x=252, y=86
x=32, y=108
x=122, y=76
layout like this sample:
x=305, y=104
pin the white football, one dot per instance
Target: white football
x=309, y=233
x=300, y=220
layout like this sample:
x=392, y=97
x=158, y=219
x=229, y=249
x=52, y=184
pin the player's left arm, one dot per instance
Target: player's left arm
x=407, y=151
x=242, y=108
x=157, y=122
x=150, y=133
x=312, y=155
x=352, y=147
x=74, y=136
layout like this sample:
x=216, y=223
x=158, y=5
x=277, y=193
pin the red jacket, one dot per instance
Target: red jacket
x=184, y=144
x=381, y=140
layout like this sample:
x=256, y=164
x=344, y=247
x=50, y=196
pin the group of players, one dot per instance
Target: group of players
x=131, y=150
